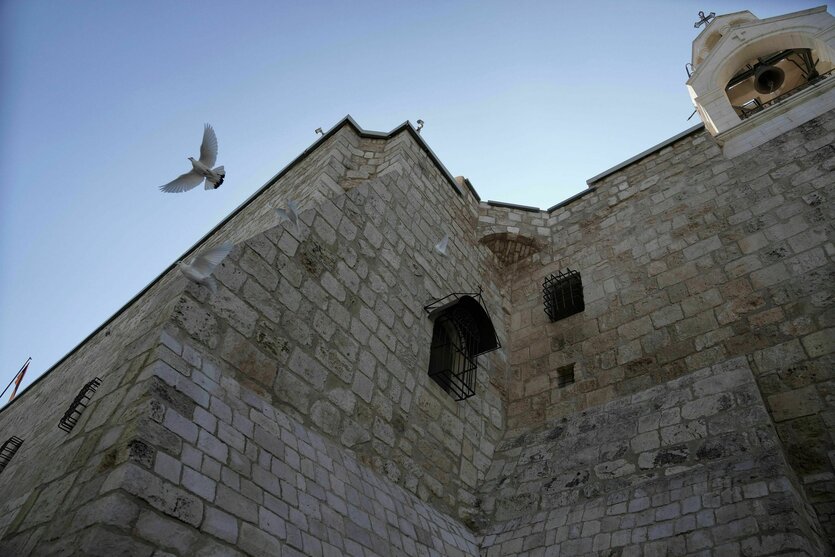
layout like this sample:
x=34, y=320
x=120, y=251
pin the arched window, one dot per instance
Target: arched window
x=462, y=330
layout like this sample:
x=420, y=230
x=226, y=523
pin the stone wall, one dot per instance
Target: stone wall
x=688, y=466
x=324, y=323
x=688, y=260
x=51, y=463
x=114, y=353
x=725, y=510
x=329, y=324
x=207, y=478
x=235, y=479
x=293, y=409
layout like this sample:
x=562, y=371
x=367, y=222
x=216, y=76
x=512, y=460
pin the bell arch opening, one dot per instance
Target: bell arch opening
x=773, y=69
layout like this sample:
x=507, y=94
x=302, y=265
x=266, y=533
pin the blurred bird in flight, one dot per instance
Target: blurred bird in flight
x=441, y=246
x=200, y=268
x=290, y=214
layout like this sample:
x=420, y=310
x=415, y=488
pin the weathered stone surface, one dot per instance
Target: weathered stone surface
x=104, y=543
x=794, y=404
x=293, y=412
x=163, y=496
x=244, y=356
x=197, y=322
x=220, y=524
x=116, y=509
x=165, y=533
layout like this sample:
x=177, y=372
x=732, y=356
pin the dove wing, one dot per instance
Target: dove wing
x=182, y=183
x=208, y=149
x=206, y=262
x=293, y=212
x=442, y=245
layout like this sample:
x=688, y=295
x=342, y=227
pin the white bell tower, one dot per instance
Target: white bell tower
x=754, y=79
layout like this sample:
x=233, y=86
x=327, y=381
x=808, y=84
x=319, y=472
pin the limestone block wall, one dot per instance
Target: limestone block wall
x=743, y=508
x=688, y=260
x=224, y=421
x=244, y=478
x=113, y=353
x=263, y=409
x=331, y=327
x=316, y=175
x=51, y=465
x=690, y=466
x=327, y=316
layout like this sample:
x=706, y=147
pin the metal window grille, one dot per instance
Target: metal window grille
x=8, y=450
x=565, y=376
x=78, y=405
x=463, y=330
x=563, y=294
x=451, y=362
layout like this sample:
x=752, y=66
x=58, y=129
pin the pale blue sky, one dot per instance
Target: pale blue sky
x=101, y=102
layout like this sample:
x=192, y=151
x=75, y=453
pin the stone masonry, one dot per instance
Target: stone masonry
x=690, y=260
x=291, y=412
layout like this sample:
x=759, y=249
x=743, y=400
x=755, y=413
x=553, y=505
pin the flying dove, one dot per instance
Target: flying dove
x=291, y=214
x=441, y=246
x=201, y=168
x=200, y=268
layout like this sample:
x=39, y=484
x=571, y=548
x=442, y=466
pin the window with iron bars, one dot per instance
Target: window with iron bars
x=452, y=362
x=8, y=450
x=461, y=332
x=79, y=403
x=563, y=294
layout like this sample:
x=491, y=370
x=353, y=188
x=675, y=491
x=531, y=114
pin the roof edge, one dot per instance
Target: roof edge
x=571, y=199
x=347, y=120
x=528, y=208
x=405, y=126
x=644, y=154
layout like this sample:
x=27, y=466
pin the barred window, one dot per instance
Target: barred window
x=8, y=450
x=563, y=294
x=79, y=403
x=462, y=330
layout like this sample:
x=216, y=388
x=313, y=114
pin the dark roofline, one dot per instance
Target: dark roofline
x=644, y=154
x=605, y=173
x=549, y=210
x=574, y=197
x=472, y=189
x=528, y=208
x=347, y=120
x=405, y=126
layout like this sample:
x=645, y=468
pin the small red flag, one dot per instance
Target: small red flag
x=19, y=378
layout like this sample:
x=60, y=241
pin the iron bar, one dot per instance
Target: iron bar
x=8, y=450
x=78, y=405
x=563, y=294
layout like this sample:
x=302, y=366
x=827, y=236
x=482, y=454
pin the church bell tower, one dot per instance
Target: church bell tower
x=753, y=79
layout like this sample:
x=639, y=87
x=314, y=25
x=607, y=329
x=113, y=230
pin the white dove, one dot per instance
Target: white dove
x=291, y=214
x=201, y=168
x=200, y=268
x=441, y=246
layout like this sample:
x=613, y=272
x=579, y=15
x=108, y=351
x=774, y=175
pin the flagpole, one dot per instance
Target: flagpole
x=15, y=376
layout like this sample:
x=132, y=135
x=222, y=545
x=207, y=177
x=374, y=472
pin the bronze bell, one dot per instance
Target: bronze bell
x=768, y=79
